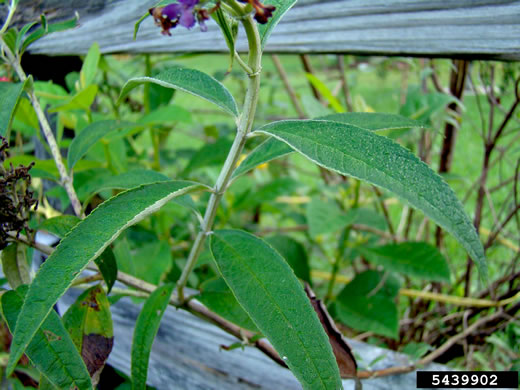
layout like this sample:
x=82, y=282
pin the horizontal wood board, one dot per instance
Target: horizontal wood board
x=187, y=355
x=478, y=29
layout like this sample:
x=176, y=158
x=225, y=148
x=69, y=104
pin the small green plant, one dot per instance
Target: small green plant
x=258, y=278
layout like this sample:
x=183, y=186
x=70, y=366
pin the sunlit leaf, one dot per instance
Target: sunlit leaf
x=90, y=66
x=80, y=101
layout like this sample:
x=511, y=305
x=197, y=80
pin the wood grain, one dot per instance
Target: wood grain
x=476, y=29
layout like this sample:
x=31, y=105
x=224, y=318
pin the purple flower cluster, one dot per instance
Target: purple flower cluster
x=263, y=12
x=185, y=13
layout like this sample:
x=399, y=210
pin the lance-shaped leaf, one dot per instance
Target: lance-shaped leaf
x=375, y=121
x=217, y=297
x=273, y=148
x=51, y=350
x=418, y=259
x=188, y=80
x=265, y=152
x=60, y=225
x=361, y=153
x=146, y=328
x=10, y=94
x=267, y=289
x=106, y=262
x=282, y=6
x=14, y=265
x=80, y=101
x=84, y=243
x=89, y=322
x=89, y=136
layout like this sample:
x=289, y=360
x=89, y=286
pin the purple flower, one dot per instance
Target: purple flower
x=263, y=12
x=184, y=13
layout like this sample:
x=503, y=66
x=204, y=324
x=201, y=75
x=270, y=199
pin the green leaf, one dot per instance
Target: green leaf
x=216, y=296
x=325, y=91
x=81, y=144
x=326, y=217
x=21, y=35
x=265, y=152
x=107, y=265
x=10, y=94
x=84, y=243
x=294, y=253
x=272, y=148
x=367, y=306
x=229, y=28
x=50, y=28
x=265, y=286
x=375, y=121
x=282, y=6
x=191, y=81
x=51, y=350
x=89, y=322
x=166, y=114
x=152, y=271
x=418, y=259
x=146, y=328
x=80, y=101
x=14, y=265
x=378, y=160
x=90, y=66
x=45, y=384
x=59, y=226
x=209, y=154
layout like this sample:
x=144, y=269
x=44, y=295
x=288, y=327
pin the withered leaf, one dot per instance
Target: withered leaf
x=346, y=361
x=89, y=323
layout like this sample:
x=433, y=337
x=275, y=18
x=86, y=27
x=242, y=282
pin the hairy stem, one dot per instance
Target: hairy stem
x=245, y=123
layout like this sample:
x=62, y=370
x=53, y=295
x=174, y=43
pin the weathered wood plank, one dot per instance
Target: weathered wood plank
x=186, y=355
x=484, y=29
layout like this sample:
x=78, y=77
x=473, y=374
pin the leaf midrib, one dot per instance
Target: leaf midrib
x=343, y=154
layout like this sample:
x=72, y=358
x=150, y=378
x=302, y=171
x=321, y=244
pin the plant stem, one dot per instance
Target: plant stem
x=12, y=9
x=245, y=123
x=66, y=180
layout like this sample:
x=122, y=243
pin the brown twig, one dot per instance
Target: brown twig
x=288, y=87
x=308, y=68
x=344, y=83
x=386, y=214
x=457, y=81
